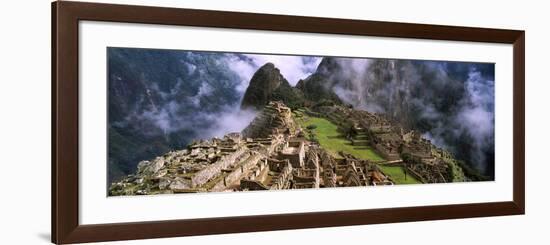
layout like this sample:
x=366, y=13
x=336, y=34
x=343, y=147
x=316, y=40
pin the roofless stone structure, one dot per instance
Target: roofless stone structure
x=271, y=153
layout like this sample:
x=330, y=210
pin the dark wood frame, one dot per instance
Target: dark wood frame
x=65, y=224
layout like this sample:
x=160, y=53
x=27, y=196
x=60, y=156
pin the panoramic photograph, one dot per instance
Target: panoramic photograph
x=183, y=121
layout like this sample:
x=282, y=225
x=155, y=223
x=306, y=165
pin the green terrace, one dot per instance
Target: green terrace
x=327, y=135
x=398, y=174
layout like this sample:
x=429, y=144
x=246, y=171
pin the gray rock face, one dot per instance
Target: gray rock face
x=180, y=184
x=319, y=86
x=164, y=183
x=150, y=167
x=266, y=80
x=268, y=84
x=160, y=173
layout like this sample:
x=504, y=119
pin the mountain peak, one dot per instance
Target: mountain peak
x=328, y=66
x=262, y=85
x=269, y=65
x=318, y=86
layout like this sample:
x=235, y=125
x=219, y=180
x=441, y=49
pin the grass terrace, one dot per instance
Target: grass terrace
x=397, y=174
x=328, y=136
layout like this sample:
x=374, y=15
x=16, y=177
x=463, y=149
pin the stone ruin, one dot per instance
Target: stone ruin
x=274, y=119
x=425, y=161
x=265, y=156
x=272, y=154
x=417, y=146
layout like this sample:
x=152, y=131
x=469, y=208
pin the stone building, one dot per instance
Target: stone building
x=271, y=154
x=274, y=119
x=387, y=144
x=417, y=146
x=294, y=151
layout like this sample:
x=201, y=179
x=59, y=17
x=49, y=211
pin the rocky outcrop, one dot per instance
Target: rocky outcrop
x=268, y=84
x=274, y=119
x=262, y=85
x=318, y=86
x=150, y=167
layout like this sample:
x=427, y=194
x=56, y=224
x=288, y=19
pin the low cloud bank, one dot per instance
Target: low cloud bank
x=450, y=103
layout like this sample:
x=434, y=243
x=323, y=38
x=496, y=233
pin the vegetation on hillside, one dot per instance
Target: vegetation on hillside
x=330, y=138
x=398, y=174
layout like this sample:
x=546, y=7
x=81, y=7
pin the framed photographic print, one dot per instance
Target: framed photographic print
x=175, y=122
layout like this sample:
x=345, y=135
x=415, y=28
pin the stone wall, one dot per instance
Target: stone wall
x=295, y=159
x=385, y=152
x=252, y=185
x=238, y=173
x=302, y=175
x=275, y=118
x=214, y=169
x=282, y=181
x=329, y=178
x=276, y=164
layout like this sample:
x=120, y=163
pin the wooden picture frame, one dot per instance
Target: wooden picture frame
x=65, y=121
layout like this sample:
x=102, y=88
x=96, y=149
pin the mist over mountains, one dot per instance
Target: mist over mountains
x=163, y=99
x=451, y=103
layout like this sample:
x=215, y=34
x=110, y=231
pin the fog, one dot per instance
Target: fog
x=454, y=107
x=183, y=95
x=232, y=118
x=176, y=114
x=293, y=68
x=412, y=93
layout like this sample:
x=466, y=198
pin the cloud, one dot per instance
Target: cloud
x=204, y=90
x=231, y=119
x=170, y=119
x=175, y=115
x=293, y=68
x=477, y=116
x=454, y=108
x=244, y=68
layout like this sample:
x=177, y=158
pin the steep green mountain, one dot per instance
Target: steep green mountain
x=268, y=84
x=318, y=86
